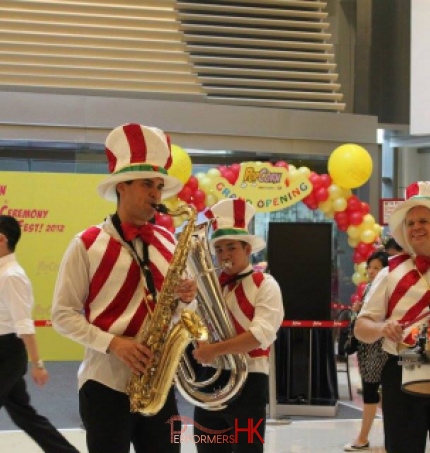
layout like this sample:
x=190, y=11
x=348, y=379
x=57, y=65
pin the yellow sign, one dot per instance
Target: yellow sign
x=51, y=209
x=266, y=187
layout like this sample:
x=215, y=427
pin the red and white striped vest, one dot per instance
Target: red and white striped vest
x=117, y=290
x=409, y=294
x=240, y=298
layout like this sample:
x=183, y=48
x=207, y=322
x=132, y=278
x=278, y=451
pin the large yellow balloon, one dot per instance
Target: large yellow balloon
x=181, y=167
x=350, y=166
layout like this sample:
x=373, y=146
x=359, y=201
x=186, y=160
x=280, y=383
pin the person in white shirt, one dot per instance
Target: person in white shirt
x=17, y=342
x=254, y=303
x=397, y=305
x=107, y=286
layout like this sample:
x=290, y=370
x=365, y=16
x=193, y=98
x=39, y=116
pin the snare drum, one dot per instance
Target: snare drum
x=416, y=366
x=416, y=379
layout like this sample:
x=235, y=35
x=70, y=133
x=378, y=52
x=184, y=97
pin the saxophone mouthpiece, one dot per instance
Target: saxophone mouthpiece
x=160, y=208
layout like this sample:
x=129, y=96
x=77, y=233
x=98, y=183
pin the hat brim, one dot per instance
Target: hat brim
x=107, y=188
x=257, y=243
x=396, y=222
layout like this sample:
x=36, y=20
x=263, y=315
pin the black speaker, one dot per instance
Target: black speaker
x=300, y=259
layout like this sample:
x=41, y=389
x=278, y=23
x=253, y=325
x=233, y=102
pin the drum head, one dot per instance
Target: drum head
x=421, y=388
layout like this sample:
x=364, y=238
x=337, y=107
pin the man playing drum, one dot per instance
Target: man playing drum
x=397, y=304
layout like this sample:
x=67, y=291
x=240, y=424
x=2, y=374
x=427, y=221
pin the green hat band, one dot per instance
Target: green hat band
x=142, y=167
x=229, y=232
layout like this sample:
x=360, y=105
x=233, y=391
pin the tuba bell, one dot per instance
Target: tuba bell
x=213, y=312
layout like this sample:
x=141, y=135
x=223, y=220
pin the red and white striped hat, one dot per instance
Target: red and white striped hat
x=231, y=220
x=138, y=152
x=416, y=194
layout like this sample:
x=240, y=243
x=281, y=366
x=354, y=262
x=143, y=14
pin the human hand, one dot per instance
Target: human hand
x=356, y=307
x=205, y=353
x=392, y=330
x=40, y=375
x=135, y=355
x=186, y=290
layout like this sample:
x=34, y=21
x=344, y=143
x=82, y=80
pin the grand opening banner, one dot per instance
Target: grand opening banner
x=51, y=208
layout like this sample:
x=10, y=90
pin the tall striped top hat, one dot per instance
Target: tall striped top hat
x=138, y=152
x=231, y=219
x=416, y=194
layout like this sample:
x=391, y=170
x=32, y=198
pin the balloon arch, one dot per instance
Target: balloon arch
x=349, y=166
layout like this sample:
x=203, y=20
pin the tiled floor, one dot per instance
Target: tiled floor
x=324, y=435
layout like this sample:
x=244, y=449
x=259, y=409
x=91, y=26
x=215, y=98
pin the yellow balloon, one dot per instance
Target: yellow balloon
x=368, y=236
x=362, y=268
x=304, y=171
x=206, y=184
x=353, y=232
x=368, y=221
x=213, y=173
x=339, y=204
x=211, y=199
x=293, y=174
x=350, y=166
x=178, y=221
x=334, y=191
x=200, y=175
x=352, y=242
x=357, y=278
x=325, y=206
x=181, y=167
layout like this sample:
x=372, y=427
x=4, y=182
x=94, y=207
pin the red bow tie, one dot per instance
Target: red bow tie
x=229, y=279
x=422, y=263
x=145, y=232
x=225, y=279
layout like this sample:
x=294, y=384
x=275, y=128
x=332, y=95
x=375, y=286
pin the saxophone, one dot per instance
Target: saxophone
x=148, y=392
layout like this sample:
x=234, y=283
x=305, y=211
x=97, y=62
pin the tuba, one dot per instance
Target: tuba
x=148, y=392
x=213, y=312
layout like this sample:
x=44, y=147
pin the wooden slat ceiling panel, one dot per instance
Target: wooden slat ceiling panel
x=255, y=11
x=213, y=81
x=253, y=52
x=266, y=53
x=95, y=45
x=301, y=105
x=244, y=49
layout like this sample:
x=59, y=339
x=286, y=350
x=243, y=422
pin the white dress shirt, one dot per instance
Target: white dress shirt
x=16, y=298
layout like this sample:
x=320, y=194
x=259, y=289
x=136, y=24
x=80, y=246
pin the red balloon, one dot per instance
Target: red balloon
x=230, y=176
x=353, y=203
x=363, y=248
x=365, y=208
x=341, y=218
x=282, y=163
x=185, y=194
x=357, y=257
x=325, y=180
x=235, y=168
x=321, y=194
x=355, y=218
x=199, y=196
x=360, y=289
x=355, y=298
x=315, y=180
x=192, y=183
x=165, y=220
x=310, y=200
x=200, y=206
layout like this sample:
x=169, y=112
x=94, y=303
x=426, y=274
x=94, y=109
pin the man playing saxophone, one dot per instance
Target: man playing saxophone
x=107, y=287
x=254, y=302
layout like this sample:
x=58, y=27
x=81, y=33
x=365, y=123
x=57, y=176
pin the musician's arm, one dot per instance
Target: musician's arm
x=371, y=319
